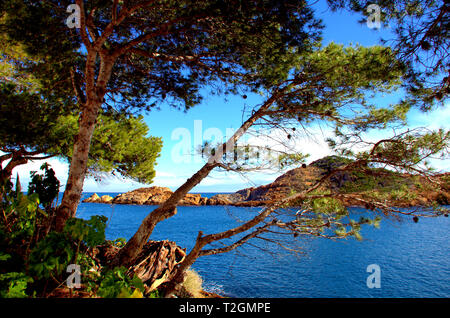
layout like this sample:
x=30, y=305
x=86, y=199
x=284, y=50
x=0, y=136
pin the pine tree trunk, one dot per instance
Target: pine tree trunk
x=78, y=166
x=131, y=250
x=95, y=92
x=6, y=173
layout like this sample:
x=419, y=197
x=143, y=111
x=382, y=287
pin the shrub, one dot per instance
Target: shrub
x=116, y=283
x=192, y=284
x=34, y=262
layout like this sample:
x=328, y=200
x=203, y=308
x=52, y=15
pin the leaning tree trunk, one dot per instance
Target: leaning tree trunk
x=127, y=255
x=95, y=92
x=168, y=209
x=78, y=166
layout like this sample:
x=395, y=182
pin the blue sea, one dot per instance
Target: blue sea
x=413, y=258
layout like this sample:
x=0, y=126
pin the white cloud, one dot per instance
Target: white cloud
x=61, y=170
x=438, y=118
x=310, y=141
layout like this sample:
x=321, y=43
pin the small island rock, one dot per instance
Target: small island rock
x=92, y=199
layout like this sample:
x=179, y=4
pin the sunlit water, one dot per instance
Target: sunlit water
x=413, y=257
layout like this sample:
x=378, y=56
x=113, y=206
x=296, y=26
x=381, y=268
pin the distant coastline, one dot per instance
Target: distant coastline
x=353, y=188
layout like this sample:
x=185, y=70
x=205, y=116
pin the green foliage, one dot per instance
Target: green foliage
x=327, y=80
x=116, y=283
x=90, y=232
x=375, y=222
x=51, y=256
x=420, y=29
x=56, y=251
x=26, y=108
x=28, y=265
x=446, y=181
x=377, y=182
x=404, y=193
x=31, y=118
x=328, y=206
x=20, y=213
x=246, y=41
x=14, y=284
x=192, y=285
x=409, y=149
x=46, y=186
x=32, y=124
x=286, y=159
x=251, y=45
x=121, y=145
x=329, y=163
x=370, y=179
x=326, y=216
x=155, y=294
x=119, y=242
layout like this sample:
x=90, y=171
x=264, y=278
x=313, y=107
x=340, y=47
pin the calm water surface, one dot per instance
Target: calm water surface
x=413, y=257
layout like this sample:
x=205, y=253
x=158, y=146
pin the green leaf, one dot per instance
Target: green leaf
x=4, y=257
x=358, y=236
x=16, y=285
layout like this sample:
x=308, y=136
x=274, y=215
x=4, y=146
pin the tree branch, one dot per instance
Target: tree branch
x=168, y=208
x=181, y=59
x=163, y=29
x=238, y=243
x=84, y=35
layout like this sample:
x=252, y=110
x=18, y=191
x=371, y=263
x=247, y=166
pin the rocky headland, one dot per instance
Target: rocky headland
x=402, y=190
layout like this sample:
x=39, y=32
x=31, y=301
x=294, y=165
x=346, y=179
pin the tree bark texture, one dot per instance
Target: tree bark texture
x=157, y=263
x=78, y=166
x=95, y=92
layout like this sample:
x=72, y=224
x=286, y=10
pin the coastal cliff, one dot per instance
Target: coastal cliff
x=402, y=190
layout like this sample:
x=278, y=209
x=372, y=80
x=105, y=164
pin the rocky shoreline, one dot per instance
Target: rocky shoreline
x=157, y=195
x=298, y=179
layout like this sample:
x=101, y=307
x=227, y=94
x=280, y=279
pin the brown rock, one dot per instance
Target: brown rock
x=158, y=198
x=154, y=195
x=191, y=199
x=106, y=199
x=228, y=198
x=251, y=203
x=219, y=199
x=92, y=199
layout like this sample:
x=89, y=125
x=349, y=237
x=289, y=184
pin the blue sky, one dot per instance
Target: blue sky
x=216, y=113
